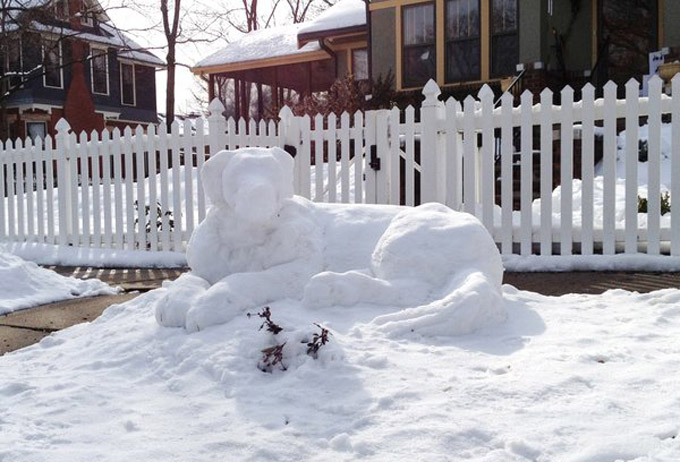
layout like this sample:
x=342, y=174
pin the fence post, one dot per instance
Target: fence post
x=64, y=182
x=216, y=126
x=429, y=157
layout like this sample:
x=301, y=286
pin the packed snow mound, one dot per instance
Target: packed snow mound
x=24, y=285
x=261, y=244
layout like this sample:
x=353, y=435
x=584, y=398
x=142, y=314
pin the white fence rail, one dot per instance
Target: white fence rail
x=142, y=190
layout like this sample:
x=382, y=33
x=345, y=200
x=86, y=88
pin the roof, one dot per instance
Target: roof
x=344, y=15
x=109, y=35
x=262, y=45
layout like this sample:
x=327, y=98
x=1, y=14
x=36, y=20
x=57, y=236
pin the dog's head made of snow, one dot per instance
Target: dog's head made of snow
x=252, y=181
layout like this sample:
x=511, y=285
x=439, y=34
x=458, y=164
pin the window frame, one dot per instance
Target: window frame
x=60, y=65
x=105, y=54
x=493, y=35
x=452, y=41
x=6, y=67
x=134, y=84
x=406, y=81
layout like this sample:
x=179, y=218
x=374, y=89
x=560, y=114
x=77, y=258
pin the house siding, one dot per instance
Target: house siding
x=671, y=31
x=531, y=29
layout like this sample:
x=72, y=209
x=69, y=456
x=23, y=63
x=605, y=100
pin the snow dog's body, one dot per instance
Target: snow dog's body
x=259, y=243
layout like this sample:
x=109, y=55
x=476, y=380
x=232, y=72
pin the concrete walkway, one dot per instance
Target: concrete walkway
x=25, y=327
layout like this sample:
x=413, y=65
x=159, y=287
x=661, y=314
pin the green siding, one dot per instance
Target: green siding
x=342, y=63
x=530, y=31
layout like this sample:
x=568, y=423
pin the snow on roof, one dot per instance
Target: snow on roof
x=260, y=44
x=345, y=13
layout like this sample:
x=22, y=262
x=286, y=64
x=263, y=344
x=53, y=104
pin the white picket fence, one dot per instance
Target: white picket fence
x=142, y=190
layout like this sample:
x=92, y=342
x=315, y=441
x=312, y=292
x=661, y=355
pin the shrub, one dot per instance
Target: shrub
x=665, y=200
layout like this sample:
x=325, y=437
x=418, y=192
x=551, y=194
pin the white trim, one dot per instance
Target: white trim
x=61, y=68
x=109, y=115
x=106, y=56
x=134, y=85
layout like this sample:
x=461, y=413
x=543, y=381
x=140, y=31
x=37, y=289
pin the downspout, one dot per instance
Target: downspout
x=325, y=48
x=369, y=48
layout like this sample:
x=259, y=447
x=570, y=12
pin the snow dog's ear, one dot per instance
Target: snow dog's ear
x=211, y=174
x=287, y=165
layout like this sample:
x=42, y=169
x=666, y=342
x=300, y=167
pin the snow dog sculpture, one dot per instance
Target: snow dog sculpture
x=259, y=243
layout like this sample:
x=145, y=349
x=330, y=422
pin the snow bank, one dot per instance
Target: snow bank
x=260, y=244
x=24, y=285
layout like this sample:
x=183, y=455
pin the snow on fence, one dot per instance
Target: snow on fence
x=142, y=189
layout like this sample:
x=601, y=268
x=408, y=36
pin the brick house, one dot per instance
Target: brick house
x=67, y=60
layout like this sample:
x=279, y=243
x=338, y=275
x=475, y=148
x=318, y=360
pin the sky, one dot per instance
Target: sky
x=187, y=85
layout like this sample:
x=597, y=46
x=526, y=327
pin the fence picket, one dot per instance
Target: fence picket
x=609, y=166
x=73, y=182
x=11, y=191
x=358, y=157
x=566, y=171
x=487, y=177
x=675, y=166
x=105, y=152
x=506, y=175
x=587, y=169
x=653, y=166
x=305, y=158
x=4, y=150
x=118, y=187
x=344, y=157
x=176, y=187
x=49, y=191
x=332, y=159
x=140, y=198
x=84, y=163
x=527, y=169
x=469, y=146
x=189, y=177
x=453, y=155
x=128, y=158
x=632, y=121
x=95, y=150
x=152, y=176
x=409, y=164
x=39, y=157
x=20, y=160
x=395, y=158
x=317, y=136
x=164, y=198
x=28, y=179
x=546, y=171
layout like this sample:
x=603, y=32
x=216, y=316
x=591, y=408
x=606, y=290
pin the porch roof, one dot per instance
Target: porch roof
x=345, y=17
x=259, y=49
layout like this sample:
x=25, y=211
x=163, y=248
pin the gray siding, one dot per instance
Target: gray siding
x=383, y=56
x=671, y=36
x=530, y=31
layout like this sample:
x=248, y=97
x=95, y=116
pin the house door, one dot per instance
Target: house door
x=627, y=32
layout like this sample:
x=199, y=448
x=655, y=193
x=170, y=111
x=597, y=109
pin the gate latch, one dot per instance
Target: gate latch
x=375, y=160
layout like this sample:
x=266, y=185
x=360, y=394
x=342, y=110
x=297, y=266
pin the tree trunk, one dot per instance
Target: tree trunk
x=170, y=86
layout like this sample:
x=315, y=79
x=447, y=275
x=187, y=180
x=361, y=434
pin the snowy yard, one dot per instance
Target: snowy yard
x=578, y=378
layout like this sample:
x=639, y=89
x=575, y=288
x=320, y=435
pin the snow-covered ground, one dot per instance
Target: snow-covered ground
x=24, y=285
x=574, y=378
x=427, y=358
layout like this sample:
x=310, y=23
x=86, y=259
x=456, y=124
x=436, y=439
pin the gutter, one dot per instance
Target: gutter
x=334, y=56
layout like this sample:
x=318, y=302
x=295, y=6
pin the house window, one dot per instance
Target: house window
x=504, y=37
x=11, y=65
x=127, y=84
x=463, y=52
x=99, y=69
x=52, y=65
x=419, y=53
x=360, y=64
x=36, y=130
